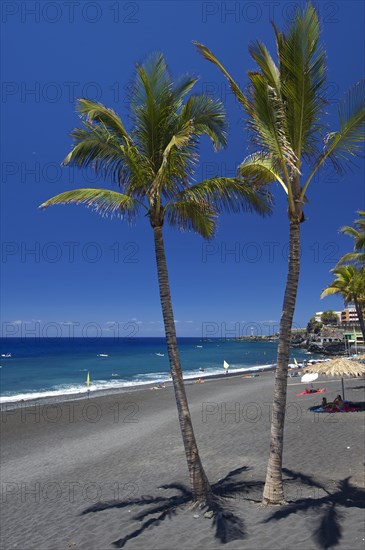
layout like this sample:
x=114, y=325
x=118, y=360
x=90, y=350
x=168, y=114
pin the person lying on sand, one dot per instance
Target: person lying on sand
x=199, y=381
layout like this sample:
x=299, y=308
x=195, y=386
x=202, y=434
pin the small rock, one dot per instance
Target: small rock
x=196, y=516
x=209, y=514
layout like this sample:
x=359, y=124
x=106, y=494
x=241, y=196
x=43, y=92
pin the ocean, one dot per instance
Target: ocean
x=50, y=367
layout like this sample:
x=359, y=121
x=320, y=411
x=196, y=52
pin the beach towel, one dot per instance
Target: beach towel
x=348, y=408
x=311, y=392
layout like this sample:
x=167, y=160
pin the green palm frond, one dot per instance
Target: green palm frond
x=330, y=291
x=208, y=117
x=358, y=234
x=267, y=65
x=107, y=118
x=348, y=142
x=95, y=146
x=103, y=201
x=261, y=169
x=349, y=282
x=191, y=215
x=231, y=195
x=352, y=257
x=302, y=66
x=209, y=56
x=268, y=123
x=181, y=144
x=182, y=88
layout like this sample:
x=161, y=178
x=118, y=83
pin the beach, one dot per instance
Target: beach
x=110, y=471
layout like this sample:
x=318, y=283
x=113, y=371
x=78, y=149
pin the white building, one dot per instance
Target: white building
x=318, y=315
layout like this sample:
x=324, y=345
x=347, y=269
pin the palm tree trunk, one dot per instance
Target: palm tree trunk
x=198, y=480
x=358, y=307
x=273, y=490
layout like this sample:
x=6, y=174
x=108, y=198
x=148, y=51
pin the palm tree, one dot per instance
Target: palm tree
x=285, y=105
x=350, y=284
x=153, y=166
x=358, y=234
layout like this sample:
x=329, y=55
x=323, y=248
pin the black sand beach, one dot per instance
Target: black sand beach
x=110, y=471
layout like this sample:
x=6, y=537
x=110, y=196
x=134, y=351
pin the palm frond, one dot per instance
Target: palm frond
x=349, y=282
x=231, y=195
x=302, y=65
x=352, y=257
x=266, y=63
x=97, y=147
x=357, y=232
x=329, y=292
x=261, y=169
x=103, y=201
x=94, y=111
x=191, y=215
x=268, y=123
x=208, y=117
x=182, y=88
x=342, y=146
x=209, y=56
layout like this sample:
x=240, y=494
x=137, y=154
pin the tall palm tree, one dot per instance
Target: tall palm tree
x=285, y=105
x=153, y=166
x=350, y=284
x=358, y=234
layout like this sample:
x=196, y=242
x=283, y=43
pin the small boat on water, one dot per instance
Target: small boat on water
x=199, y=346
x=102, y=355
x=160, y=354
x=6, y=355
x=115, y=374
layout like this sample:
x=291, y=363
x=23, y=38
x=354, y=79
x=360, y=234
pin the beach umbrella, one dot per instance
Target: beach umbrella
x=309, y=377
x=339, y=366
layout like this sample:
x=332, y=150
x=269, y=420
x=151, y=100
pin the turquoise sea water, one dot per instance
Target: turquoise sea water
x=42, y=367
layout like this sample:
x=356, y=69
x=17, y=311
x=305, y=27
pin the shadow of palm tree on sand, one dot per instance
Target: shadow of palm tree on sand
x=327, y=529
x=227, y=525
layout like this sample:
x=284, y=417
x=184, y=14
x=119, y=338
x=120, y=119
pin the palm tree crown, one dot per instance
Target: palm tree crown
x=358, y=234
x=349, y=282
x=154, y=163
x=286, y=104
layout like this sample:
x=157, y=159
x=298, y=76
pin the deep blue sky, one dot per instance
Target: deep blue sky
x=89, y=49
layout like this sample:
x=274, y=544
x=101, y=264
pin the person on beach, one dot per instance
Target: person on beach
x=338, y=403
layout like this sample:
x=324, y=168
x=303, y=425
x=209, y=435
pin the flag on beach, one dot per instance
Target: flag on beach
x=225, y=365
x=88, y=379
